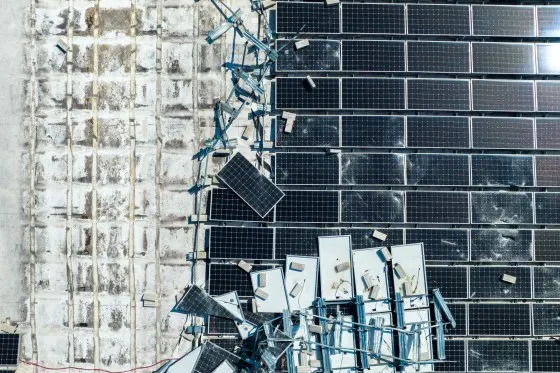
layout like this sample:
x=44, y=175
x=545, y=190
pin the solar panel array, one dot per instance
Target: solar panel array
x=446, y=121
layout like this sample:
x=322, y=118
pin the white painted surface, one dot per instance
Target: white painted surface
x=411, y=259
x=370, y=261
x=335, y=250
x=187, y=363
x=307, y=277
x=277, y=300
x=224, y=367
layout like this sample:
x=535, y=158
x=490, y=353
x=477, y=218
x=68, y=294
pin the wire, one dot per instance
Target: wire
x=95, y=369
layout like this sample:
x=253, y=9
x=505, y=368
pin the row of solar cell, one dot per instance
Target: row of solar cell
x=450, y=245
x=421, y=94
x=417, y=169
x=454, y=132
x=354, y=206
x=419, y=56
x=418, y=19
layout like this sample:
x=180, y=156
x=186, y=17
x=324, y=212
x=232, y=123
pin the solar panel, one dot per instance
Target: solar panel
x=309, y=131
x=437, y=132
x=508, y=170
x=437, y=207
x=451, y=281
x=502, y=133
x=487, y=319
x=485, y=283
x=212, y=356
x=250, y=185
x=299, y=241
x=547, y=55
x=547, y=208
x=373, y=18
x=545, y=319
x=438, y=19
x=502, y=95
x=224, y=278
x=548, y=95
x=241, y=243
x=373, y=93
x=362, y=238
x=547, y=245
x=9, y=349
x=503, y=58
x=455, y=361
x=307, y=169
x=373, y=55
x=438, y=94
x=546, y=283
x=196, y=301
x=217, y=325
x=295, y=93
x=548, y=20
x=309, y=18
x=459, y=312
x=319, y=55
x=372, y=169
x=227, y=344
x=437, y=169
x=435, y=56
x=304, y=206
x=226, y=205
x=441, y=244
x=372, y=206
x=545, y=356
x=501, y=245
x=503, y=20
x=547, y=170
x=373, y=131
x=498, y=356
x=502, y=208
x=548, y=133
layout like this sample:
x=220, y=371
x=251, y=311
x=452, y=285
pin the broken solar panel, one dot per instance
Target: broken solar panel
x=498, y=356
x=485, y=283
x=546, y=283
x=212, y=356
x=501, y=245
x=373, y=131
x=547, y=245
x=441, y=244
x=250, y=185
x=503, y=20
x=547, y=208
x=309, y=131
x=427, y=19
x=489, y=170
x=9, y=349
x=224, y=278
x=372, y=169
x=197, y=301
x=319, y=55
x=437, y=132
x=545, y=319
x=363, y=239
x=455, y=360
x=372, y=206
x=437, y=169
x=435, y=56
x=502, y=207
x=499, y=319
x=451, y=281
x=502, y=133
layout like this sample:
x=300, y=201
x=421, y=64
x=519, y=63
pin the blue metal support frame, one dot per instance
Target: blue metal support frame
x=321, y=308
x=439, y=333
x=440, y=302
x=362, y=331
x=288, y=331
x=400, y=324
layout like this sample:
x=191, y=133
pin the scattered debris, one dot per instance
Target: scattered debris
x=310, y=82
x=300, y=44
x=245, y=266
x=61, y=44
x=331, y=2
x=150, y=300
x=386, y=254
x=509, y=279
x=7, y=327
x=379, y=235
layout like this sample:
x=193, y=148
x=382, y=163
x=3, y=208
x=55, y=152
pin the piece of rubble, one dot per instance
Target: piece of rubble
x=61, y=44
x=261, y=293
x=297, y=266
x=386, y=254
x=296, y=290
x=399, y=270
x=379, y=235
x=300, y=44
x=245, y=266
x=342, y=267
x=310, y=82
x=509, y=279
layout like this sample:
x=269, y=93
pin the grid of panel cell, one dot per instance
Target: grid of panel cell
x=307, y=169
x=373, y=55
x=437, y=207
x=441, y=244
x=435, y=56
x=503, y=20
x=548, y=96
x=546, y=320
x=299, y=241
x=547, y=245
x=223, y=278
x=455, y=360
x=309, y=131
x=437, y=169
x=545, y=356
x=503, y=58
x=502, y=133
x=319, y=55
x=373, y=18
x=491, y=170
x=437, y=132
x=509, y=319
x=308, y=18
x=547, y=208
x=502, y=95
x=305, y=206
x=372, y=169
x=296, y=93
x=373, y=131
x=498, y=356
x=218, y=325
x=548, y=133
x=373, y=93
x=438, y=94
x=501, y=245
x=459, y=312
x=547, y=170
x=9, y=349
x=548, y=19
x=486, y=283
x=547, y=57
x=502, y=208
x=212, y=356
x=238, y=242
x=424, y=19
x=546, y=283
x=226, y=205
x=451, y=281
x=372, y=207
x=363, y=239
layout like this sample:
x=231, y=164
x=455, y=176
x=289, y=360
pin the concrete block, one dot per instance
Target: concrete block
x=112, y=203
x=113, y=278
x=177, y=58
x=174, y=21
x=342, y=267
x=112, y=240
x=113, y=168
x=176, y=168
x=379, y=235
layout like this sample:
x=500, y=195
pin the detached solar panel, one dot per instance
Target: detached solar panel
x=250, y=185
x=9, y=349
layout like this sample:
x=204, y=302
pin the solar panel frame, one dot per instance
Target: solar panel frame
x=316, y=23
x=369, y=12
x=437, y=169
x=506, y=170
x=434, y=203
x=503, y=95
x=319, y=135
x=503, y=58
x=240, y=243
x=373, y=55
x=428, y=130
x=548, y=96
x=499, y=319
x=485, y=19
x=319, y=56
x=356, y=206
x=441, y=13
x=502, y=208
x=439, y=241
x=297, y=95
x=438, y=94
x=380, y=93
x=502, y=133
x=372, y=169
x=373, y=131
x=485, y=282
x=501, y=245
x=546, y=282
x=545, y=245
x=498, y=355
x=545, y=356
x=296, y=168
x=547, y=21
x=546, y=321
x=547, y=208
x=438, y=56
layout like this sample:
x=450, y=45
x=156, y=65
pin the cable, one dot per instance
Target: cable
x=96, y=369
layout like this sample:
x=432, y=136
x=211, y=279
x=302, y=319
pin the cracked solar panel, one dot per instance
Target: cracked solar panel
x=502, y=208
x=546, y=320
x=546, y=283
x=435, y=56
x=372, y=169
x=501, y=245
x=319, y=55
x=309, y=131
x=427, y=19
x=437, y=169
x=307, y=169
x=441, y=244
x=489, y=170
x=498, y=356
x=547, y=208
x=372, y=207
x=437, y=207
